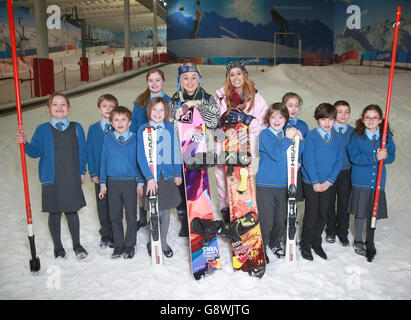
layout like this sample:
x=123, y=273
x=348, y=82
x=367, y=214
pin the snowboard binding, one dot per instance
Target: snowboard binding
x=234, y=230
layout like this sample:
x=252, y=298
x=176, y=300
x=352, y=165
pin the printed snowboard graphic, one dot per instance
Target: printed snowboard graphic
x=205, y=257
x=248, y=252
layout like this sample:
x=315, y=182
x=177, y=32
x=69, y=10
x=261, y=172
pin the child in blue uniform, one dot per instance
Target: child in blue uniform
x=271, y=178
x=338, y=224
x=155, y=82
x=168, y=166
x=95, y=136
x=61, y=146
x=119, y=174
x=322, y=162
x=365, y=152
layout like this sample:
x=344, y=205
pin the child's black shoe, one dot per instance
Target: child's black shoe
x=320, y=251
x=129, y=252
x=168, y=252
x=278, y=252
x=106, y=242
x=117, y=253
x=359, y=248
x=306, y=253
x=81, y=253
x=59, y=253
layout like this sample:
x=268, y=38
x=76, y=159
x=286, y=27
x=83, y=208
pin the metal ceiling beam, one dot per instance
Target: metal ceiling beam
x=161, y=12
x=107, y=14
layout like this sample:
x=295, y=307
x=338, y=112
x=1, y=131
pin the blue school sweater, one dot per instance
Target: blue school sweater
x=345, y=138
x=300, y=125
x=363, y=156
x=139, y=116
x=119, y=160
x=95, y=137
x=42, y=146
x=168, y=152
x=321, y=161
x=272, y=167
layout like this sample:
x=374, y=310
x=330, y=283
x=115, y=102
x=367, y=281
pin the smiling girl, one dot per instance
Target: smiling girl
x=168, y=167
x=61, y=146
x=365, y=152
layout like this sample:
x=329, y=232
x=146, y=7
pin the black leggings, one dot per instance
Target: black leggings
x=73, y=222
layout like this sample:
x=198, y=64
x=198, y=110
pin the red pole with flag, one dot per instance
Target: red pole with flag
x=35, y=261
x=370, y=241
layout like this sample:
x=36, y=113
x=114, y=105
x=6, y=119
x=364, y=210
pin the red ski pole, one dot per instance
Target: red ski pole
x=370, y=255
x=35, y=261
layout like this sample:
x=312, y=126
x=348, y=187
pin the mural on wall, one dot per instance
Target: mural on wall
x=245, y=28
x=371, y=26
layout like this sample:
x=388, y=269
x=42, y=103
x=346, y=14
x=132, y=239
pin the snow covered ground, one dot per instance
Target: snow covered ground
x=344, y=275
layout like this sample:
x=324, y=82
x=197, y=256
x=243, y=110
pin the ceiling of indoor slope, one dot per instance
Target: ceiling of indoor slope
x=108, y=14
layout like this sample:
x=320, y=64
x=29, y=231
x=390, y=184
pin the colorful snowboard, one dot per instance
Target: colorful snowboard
x=205, y=258
x=248, y=253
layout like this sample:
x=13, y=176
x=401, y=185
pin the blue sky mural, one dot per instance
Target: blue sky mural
x=372, y=12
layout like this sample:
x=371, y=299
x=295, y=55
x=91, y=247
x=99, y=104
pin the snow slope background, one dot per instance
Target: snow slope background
x=344, y=275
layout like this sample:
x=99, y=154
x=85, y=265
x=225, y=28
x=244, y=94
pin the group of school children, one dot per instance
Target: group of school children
x=335, y=161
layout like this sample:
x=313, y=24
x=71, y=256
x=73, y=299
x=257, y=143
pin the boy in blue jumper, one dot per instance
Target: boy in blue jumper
x=95, y=136
x=61, y=146
x=322, y=162
x=337, y=224
x=271, y=178
x=119, y=174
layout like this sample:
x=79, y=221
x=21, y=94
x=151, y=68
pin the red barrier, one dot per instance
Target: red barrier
x=164, y=57
x=127, y=63
x=43, y=70
x=84, y=72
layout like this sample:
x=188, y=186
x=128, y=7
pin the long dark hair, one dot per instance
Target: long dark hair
x=360, y=126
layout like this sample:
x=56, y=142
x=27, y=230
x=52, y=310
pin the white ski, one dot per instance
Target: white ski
x=150, y=150
x=292, y=168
